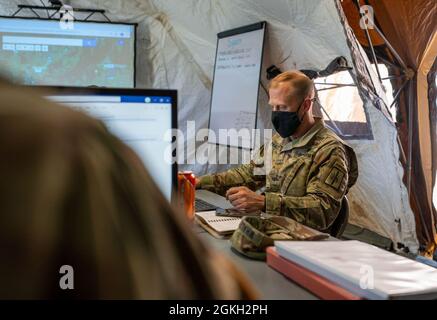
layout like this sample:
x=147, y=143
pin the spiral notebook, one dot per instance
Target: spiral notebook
x=219, y=227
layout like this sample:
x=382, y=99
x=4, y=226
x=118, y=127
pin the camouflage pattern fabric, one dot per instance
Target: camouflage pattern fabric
x=255, y=234
x=308, y=179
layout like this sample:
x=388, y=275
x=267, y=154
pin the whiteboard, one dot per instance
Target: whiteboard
x=237, y=70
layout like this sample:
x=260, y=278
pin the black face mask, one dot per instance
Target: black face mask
x=285, y=123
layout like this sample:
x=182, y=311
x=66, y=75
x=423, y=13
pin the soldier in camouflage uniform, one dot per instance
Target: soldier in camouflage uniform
x=311, y=167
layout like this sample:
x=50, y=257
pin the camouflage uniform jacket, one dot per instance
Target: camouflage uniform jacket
x=308, y=179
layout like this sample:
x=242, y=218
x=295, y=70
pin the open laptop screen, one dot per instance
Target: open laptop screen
x=139, y=117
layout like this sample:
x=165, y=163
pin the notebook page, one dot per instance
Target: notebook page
x=220, y=224
x=364, y=269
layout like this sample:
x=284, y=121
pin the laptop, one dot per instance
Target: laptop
x=209, y=201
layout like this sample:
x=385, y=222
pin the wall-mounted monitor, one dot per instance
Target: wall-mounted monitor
x=49, y=52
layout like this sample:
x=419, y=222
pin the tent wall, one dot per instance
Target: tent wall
x=432, y=96
x=410, y=27
x=176, y=48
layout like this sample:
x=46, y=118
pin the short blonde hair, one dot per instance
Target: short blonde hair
x=300, y=85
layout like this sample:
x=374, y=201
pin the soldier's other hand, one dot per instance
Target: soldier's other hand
x=242, y=198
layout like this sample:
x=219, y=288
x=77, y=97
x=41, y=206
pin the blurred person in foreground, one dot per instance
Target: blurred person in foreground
x=73, y=194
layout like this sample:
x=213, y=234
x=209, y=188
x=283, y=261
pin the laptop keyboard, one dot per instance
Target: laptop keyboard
x=202, y=205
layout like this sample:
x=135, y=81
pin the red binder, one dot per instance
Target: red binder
x=318, y=285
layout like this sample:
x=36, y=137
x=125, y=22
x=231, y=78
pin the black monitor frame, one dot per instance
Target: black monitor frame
x=63, y=90
x=135, y=25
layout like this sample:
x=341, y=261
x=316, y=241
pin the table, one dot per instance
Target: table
x=270, y=283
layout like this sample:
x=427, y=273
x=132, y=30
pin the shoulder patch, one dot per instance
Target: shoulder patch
x=335, y=178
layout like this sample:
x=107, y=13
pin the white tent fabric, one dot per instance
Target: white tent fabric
x=176, y=49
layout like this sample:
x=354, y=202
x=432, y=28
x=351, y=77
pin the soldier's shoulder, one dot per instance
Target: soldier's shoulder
x=326, y=138
x=276, y=140
x=328, y=141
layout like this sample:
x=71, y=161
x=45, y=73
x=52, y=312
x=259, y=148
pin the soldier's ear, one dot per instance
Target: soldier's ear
x=306, y=105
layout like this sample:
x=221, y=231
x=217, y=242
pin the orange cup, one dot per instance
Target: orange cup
x=187, y=192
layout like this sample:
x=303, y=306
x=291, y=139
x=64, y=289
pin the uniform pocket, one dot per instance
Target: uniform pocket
x=291, y=176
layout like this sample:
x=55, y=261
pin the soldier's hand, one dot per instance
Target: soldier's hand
x=242, y=198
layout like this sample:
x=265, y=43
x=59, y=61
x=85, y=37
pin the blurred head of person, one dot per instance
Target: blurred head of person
x=72, y=194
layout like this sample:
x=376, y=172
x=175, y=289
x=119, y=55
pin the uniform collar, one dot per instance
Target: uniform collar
x=289, y=144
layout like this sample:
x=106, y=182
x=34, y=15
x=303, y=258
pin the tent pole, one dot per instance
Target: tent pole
x=410, y=136
x=369, y=40
x=389, y=63
x=336, y=84
x=398, y=93
x=333, y=123
x=411, y=110
x=331, y=88
x=397, y=56
x=404, y=157
x=393, y=77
